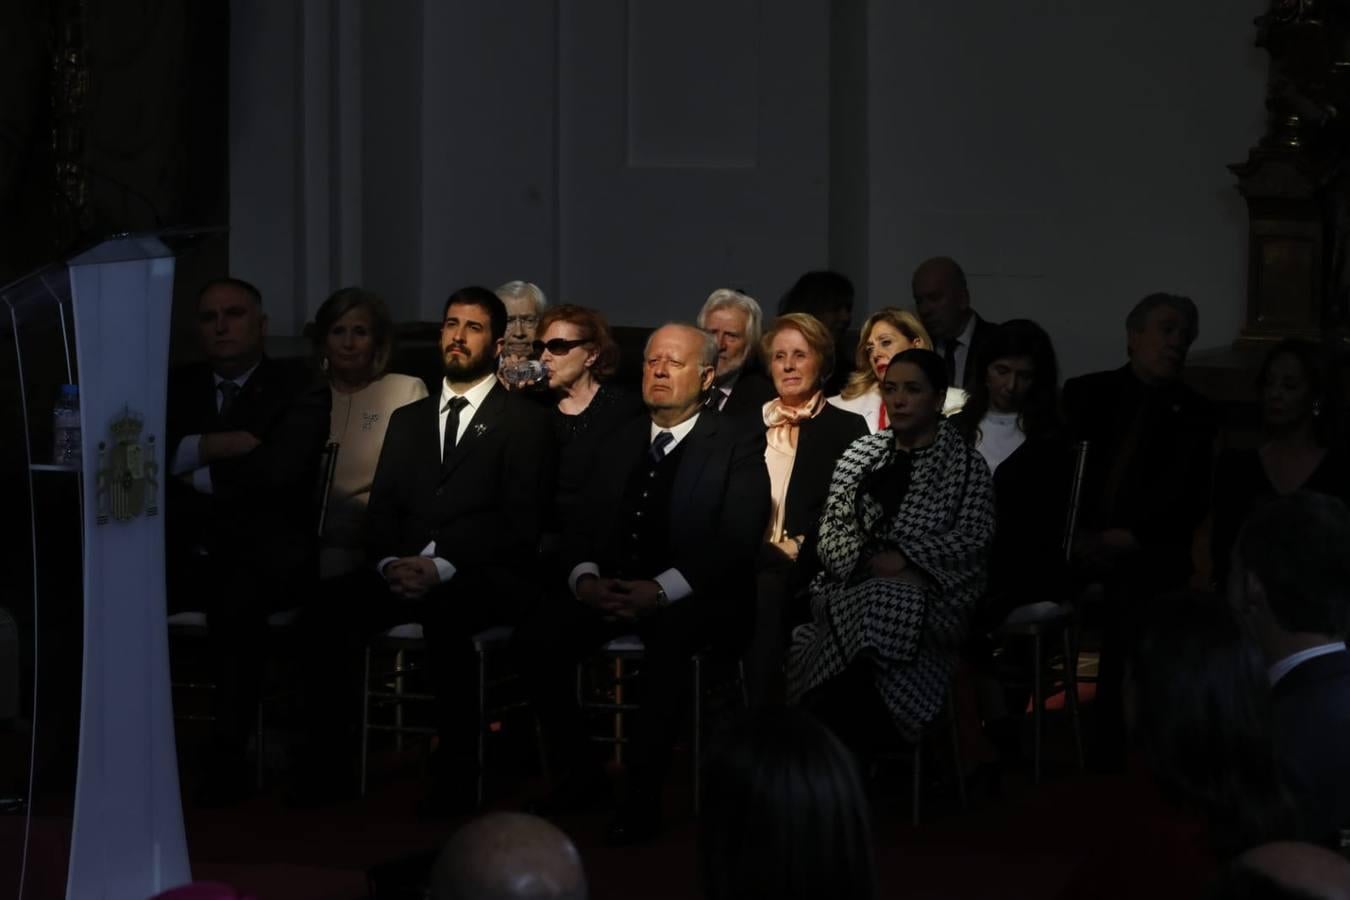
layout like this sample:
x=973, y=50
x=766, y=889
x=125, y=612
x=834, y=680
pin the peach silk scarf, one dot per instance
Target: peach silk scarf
x=783, y=423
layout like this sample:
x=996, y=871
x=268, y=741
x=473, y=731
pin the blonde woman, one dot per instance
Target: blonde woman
x=885, y=333
x=353, y=339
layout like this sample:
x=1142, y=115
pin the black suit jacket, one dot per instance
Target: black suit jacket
x=486, y=510
x=719, y=506
x=264, y=505
x=1311, y=709
x=979, y=338
x=1163, y=491
x=753, y=389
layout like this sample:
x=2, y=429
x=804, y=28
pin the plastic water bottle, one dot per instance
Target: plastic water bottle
x=66, y=427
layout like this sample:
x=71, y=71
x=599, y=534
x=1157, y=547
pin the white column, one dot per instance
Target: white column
x=296, y=152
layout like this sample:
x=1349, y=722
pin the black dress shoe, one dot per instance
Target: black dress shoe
x=310, y=791
x=448, y=798
x=224, y=786
x=577, y=794
x=633, y=826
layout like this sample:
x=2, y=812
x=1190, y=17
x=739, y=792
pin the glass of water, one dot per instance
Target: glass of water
x=524, y=373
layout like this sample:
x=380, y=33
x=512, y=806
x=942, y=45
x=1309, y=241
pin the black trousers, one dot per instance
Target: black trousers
x=353, y=609
x=563, y=631
x=237, y=594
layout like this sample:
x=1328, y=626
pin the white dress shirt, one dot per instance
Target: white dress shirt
x=962, y=352
x=671, y=580
x=476, y=394
x=1293, y=661
x=187, y=457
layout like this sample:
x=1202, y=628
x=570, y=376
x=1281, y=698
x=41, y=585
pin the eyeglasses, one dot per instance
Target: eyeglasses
x=527, y=321
x=558, y=346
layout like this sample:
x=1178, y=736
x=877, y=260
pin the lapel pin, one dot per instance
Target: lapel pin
x=479, y=429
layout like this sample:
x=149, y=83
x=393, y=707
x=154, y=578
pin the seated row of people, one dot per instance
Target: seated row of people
x=668, y=524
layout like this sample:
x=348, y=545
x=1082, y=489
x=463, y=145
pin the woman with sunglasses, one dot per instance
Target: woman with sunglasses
x=574, y=344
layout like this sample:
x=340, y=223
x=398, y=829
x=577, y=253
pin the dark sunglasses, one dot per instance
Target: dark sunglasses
x=558, y=346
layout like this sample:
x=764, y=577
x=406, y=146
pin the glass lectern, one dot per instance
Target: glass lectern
x=89, y=796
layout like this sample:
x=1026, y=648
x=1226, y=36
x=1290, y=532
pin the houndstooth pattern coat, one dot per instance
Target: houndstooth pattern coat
x=944, y=527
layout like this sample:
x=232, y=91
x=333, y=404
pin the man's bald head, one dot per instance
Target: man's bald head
x=941, y=297
x=508, y=856
x=1287, y=870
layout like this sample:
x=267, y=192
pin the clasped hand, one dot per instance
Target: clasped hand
x=619, y=600
x=895, y=565
x=411, y=577
x=888, y=564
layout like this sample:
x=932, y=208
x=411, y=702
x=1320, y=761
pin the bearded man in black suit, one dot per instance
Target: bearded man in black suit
x=666, y=549
x=245, y=436
x=456, y=508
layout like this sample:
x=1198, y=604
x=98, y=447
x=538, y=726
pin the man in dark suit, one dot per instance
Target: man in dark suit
x=245, y=437
x=735, y=322
x=942, y=301
x=1290, y=587
x=1146, y=487
x=456, y=509
x=675, y=517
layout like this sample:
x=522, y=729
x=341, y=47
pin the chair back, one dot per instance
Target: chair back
x=1080, y=455
x=327, y=466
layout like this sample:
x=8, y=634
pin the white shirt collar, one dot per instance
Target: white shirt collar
x=240, y=380
x=680, y=431
x=1293, y=661
x=475, y=394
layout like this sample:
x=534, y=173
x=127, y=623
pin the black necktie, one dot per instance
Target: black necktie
x=451, y=428
x=949, y=348
x=229, y=392
x=659, y=444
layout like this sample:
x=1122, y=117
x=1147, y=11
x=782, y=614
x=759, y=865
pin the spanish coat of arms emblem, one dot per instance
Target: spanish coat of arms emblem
x=128, y=475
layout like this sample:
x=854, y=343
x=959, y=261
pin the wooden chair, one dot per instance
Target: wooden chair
x=390, y=687
x=617, y=655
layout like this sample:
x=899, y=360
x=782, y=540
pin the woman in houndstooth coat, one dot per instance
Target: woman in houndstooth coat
x=904, y=540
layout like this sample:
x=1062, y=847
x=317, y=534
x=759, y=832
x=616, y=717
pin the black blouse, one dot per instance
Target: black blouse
x=578, y=435
x=1241, y=485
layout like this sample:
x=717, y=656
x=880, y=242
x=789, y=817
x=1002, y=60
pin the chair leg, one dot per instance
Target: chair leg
x=696, y=664
x=482, y=724
x=399, y=659
x=365, y=721
x=744, y=685
x=618, y=713
x=918, y=782
x=957, y=763
x=1038, y=705
x=259, y=750
x=1071, y=694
